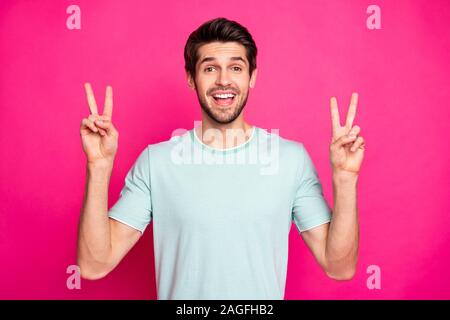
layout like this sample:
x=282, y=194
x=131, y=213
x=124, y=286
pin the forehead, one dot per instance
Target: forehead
x=221, y=51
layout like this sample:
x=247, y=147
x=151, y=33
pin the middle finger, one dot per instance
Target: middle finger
x=352, y=110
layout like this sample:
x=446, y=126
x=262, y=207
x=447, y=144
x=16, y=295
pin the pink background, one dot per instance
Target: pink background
x=308, y=51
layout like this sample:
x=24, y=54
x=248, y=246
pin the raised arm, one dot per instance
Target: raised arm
x=102, y=242
x=335, y=245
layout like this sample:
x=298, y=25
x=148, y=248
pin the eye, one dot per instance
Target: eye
x=238, y=68
x=208, y=68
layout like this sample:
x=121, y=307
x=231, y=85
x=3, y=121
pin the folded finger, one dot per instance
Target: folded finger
x=106, y=125
x=86, y=123
x=345, y=140
x=358, y=143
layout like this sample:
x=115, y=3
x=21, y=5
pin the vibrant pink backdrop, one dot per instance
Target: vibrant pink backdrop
x=308, y=51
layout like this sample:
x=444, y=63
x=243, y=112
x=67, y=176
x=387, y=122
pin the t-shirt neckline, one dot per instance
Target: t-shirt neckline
x=226, y=150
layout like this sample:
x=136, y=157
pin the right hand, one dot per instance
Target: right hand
x=99, y=137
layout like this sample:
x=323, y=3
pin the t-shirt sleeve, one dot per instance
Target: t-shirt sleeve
x=134, y=206
x=310, y=208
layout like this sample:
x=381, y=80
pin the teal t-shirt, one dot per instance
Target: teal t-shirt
x=221, y=218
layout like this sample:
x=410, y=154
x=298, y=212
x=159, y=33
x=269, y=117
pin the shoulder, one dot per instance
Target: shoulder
x=163, y=150
x=287, y=147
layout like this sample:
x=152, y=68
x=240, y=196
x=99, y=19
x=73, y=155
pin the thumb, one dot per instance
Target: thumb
x=344, y=140
x=106, y=125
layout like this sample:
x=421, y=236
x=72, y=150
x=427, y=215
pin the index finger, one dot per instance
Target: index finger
x=352, y=110
x=107, y=111
x=335, y=122
x=90, y=98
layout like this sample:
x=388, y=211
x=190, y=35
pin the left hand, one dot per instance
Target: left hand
x=347, y=147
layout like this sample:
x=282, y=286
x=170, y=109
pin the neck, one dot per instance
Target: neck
x=223, y=136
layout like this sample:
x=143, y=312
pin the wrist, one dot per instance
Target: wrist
x=344, y=177
x=99, y=168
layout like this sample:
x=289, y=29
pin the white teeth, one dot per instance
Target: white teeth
x=224, y=96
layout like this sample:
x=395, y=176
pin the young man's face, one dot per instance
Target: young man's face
x=222, y=80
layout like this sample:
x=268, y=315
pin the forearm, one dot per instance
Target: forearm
x=343, y=234
x=94, y=238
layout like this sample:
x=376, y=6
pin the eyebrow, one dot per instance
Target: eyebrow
x=207, y=59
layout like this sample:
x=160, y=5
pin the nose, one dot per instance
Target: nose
x=223, y=78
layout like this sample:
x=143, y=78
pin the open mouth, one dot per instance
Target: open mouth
x=224, y=99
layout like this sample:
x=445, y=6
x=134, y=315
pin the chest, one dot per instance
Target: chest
x=220, y=195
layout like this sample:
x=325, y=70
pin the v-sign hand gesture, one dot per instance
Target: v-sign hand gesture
x=99, y=137
x=347, y=147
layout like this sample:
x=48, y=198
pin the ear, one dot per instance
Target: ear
x=190, y=81
x=253, y=78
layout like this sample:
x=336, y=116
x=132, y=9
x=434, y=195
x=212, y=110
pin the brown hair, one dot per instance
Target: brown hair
x=223, y=30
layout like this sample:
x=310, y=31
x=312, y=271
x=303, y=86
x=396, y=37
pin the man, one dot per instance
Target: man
x=220, y=225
